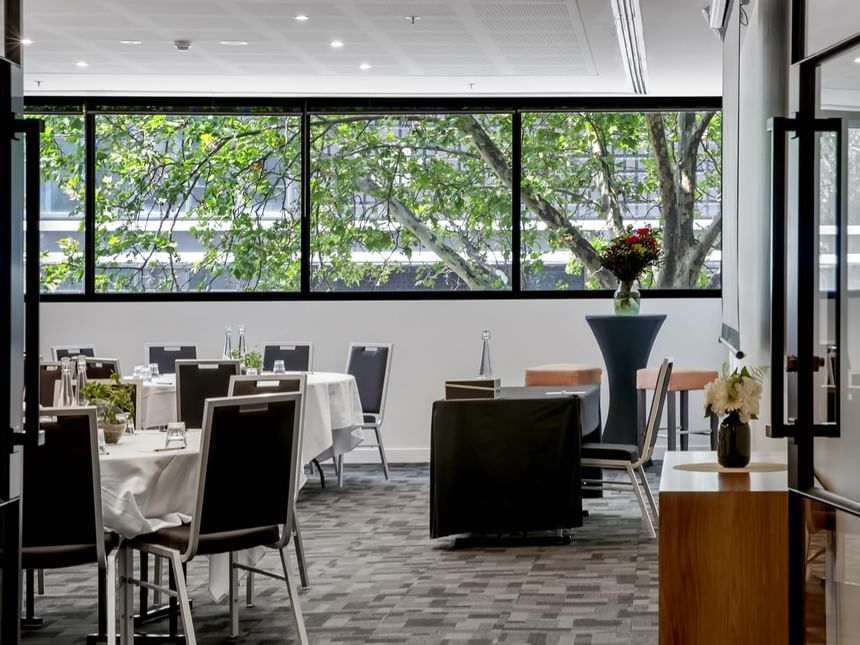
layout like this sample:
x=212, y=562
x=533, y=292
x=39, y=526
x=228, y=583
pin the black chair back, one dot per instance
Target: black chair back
x=197, y=381
x=368, y=363
x=49, y=374
x=62, y=486
x=264, y=384
x=165, y=356
x=102, y=368
x=251, y=441
x=296, y=356
x=69, y=351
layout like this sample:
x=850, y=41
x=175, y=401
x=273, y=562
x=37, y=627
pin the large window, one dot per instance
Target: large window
x=197, y=203
x=589, y=175
x=506, y=197
x=62, y=201
x=408, y=203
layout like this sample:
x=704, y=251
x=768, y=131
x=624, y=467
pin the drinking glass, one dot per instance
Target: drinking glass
x=175, y=434
x=145, y=373
x=279, y=368
x=153, y=370
x=101, y=438
x=251, y=371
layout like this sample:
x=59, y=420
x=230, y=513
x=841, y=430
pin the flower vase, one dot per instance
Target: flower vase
x=626, y=299
x=733, y=442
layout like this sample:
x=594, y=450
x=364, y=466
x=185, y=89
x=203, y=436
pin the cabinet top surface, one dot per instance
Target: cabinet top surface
x=673, y=480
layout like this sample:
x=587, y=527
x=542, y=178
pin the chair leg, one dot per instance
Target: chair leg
x=110, y=597
x=684, y=396
x=300, y=553
x=381, y=449
x=648, y=493
x=126, y=598
x=156, y=595
x=182, y=592
x=340, y=471
x=671, y=436
x=295, y=607
x=249, y=589
x=233, y=596
x=646, y=518
x=41, y=582
x=714, y=430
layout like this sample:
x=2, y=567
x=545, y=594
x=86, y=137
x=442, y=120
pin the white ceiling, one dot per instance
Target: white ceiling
x=458, y=47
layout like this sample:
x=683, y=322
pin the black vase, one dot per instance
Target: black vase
x=733, y=445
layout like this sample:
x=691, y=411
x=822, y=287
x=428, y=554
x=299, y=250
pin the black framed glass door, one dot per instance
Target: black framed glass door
x=816, y=322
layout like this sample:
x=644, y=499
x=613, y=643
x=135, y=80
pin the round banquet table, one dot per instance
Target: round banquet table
x=332, y=412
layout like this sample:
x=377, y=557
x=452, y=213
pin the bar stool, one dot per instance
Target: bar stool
x=683, y=381
x=563, y=374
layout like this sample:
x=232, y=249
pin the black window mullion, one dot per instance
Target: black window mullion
x=516, y=205
x=90, y=203
x=306, y=203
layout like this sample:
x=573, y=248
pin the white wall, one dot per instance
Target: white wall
x=433, y=340
x=764, y=63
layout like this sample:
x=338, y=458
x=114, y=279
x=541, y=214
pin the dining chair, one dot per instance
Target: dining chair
x=62, y=520
x=272, y=384
x=165, y=355
x=613, y=456
x=370, y=364
x=50, y=373
x=101, y=368
x=249, y=455
x=70, y=351
x=297, y=357
x=198, y=380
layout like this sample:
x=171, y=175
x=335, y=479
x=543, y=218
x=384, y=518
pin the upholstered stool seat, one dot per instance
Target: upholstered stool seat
x=563, y=374
x=683, y=381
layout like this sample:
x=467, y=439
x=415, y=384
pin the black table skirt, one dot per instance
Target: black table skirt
x=510, y=464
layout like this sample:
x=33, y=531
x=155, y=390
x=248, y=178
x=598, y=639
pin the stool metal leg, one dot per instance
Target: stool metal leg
x=640, y=415
x=670, y=421
x=685, y=419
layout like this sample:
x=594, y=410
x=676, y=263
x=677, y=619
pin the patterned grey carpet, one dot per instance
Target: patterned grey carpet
x=376, y=577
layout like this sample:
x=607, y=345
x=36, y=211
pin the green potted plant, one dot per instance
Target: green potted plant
x=252, y=361
x=114, y=402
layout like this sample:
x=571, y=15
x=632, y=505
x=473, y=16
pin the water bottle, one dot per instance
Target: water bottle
x=80, y=381
x=486, y=365
x=228, y=342
x=242, y=341
x=66, y=397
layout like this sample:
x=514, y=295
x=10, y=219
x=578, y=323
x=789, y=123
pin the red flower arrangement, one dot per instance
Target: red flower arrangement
x=628, y=255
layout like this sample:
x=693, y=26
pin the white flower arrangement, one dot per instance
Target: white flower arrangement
x=736, y=392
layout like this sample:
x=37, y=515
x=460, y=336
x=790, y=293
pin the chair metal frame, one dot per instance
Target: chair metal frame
x=304, y=343
x=199, y=362
x=177, y=559
x=148, y=346
x=376, y=424
x=107, y=562
x=634, y=468
x=73, y=350
x=301, y=378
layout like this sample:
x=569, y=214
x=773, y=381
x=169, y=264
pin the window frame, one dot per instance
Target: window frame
x=305, y=108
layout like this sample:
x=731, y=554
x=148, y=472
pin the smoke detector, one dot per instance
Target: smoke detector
x=182, y=45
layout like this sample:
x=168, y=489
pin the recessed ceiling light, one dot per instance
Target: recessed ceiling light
x=365, y=66
x=336, y=44
x=131, y=42
x=302, y=17
x=856, y=60
x=26, y=41
x=82, y=63
x=413, y=19
x=233, y=43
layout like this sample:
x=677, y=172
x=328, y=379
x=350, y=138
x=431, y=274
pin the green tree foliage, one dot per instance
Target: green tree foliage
x=388, y=192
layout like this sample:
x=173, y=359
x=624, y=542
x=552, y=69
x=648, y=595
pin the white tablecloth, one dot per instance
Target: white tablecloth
x=332, y=412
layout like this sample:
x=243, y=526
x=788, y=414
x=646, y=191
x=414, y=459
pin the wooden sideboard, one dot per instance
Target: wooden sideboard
x=723, y=554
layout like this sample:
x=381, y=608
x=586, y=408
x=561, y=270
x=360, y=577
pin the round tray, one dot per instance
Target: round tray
x=752, y=467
